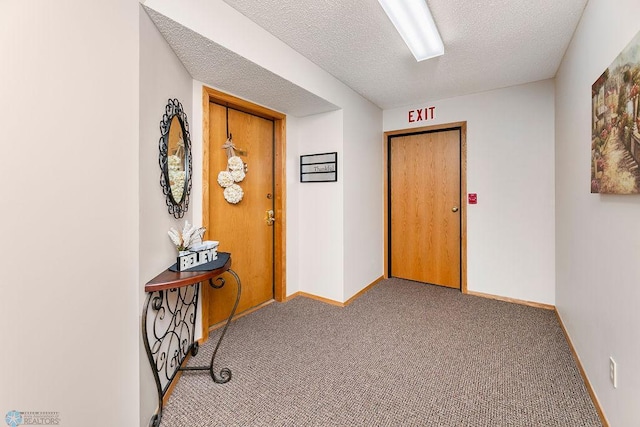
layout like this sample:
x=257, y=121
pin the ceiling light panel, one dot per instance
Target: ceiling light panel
x=413, y=20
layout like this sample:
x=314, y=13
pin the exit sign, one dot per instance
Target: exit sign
x=422, y=114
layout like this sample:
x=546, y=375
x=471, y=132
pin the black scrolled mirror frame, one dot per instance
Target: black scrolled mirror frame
x=174, y=109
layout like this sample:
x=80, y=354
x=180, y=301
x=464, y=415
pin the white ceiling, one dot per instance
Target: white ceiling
x=489, y=44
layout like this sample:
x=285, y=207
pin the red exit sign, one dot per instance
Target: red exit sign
x=422, y=114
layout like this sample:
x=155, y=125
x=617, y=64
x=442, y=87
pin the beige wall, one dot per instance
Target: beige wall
x=598, y=238
x=69, y=211
x=162, y=77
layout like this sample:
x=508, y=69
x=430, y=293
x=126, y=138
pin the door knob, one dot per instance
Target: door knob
x=270, y=219
x=454, y=209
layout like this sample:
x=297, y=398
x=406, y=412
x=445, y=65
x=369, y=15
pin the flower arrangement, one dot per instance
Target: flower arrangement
x=190, y=236
x=235, y=172
x=225, y=179
x=238, y=175
x=177, y=176
x=233, y=194
x=235, y=163
x=174, y=162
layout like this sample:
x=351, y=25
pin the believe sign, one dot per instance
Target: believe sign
x=194, y=259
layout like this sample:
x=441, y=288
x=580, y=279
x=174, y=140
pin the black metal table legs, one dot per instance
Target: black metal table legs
x=168, y=333
x=225, y=373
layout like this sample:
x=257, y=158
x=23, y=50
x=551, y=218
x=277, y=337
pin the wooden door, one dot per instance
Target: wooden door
x=425, y=207
x=241, y=228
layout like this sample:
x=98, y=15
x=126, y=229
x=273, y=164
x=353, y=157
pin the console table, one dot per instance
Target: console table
x=168, y=330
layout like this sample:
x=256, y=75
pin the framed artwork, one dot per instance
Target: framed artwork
x=615, y=135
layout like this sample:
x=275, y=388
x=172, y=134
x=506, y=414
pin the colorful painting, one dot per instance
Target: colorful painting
x=615, y=134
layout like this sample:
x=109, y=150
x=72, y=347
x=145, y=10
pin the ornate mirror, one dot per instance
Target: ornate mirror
x=175, y=158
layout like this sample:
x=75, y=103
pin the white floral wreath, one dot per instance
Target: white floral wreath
x=235, y=172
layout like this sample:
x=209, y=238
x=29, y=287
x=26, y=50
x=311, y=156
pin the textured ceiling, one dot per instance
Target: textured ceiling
x=217, y=66
x=488, y=44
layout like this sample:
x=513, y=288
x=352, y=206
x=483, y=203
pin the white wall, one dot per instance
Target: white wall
x=363, y=173
x=69, y=214
x=162, y=77
x=293, y=202
x=510, y=158
x=361, y=124
x=598, y=239
x=320, y=211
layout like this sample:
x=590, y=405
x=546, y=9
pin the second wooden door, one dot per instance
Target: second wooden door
x=424, y=207
x=241, y=228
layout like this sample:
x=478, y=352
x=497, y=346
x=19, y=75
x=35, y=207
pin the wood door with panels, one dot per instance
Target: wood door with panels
x=242, y=228
x=424, y=207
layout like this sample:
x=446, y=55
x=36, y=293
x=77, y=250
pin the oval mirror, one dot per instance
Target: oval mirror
x=175, y=158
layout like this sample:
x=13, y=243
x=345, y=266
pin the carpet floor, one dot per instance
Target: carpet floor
x=402, y=354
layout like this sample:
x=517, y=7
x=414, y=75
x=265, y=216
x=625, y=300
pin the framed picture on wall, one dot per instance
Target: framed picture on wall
x=615, y=123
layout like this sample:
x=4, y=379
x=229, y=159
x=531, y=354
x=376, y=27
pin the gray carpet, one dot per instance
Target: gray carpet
x=403, y=354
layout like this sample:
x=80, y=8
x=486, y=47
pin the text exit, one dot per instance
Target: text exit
x=422, y=114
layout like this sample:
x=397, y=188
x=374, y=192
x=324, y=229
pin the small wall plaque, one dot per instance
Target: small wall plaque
x=319, y=167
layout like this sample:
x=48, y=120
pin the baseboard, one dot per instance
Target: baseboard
x=292, y=296
x=237, y=316
x=333, y=302
x=585, y=379
x=315, y=297
x=512, y=300
x=363, y=291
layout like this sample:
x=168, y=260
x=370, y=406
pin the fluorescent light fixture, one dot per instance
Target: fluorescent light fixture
x=415, y=24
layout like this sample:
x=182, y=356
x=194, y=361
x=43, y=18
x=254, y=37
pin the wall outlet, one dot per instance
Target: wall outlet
x=613, y=374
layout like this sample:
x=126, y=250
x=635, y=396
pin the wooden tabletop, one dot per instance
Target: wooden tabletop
x=170, y=279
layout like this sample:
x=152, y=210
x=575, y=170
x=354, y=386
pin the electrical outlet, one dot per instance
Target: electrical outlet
x=613, y=374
